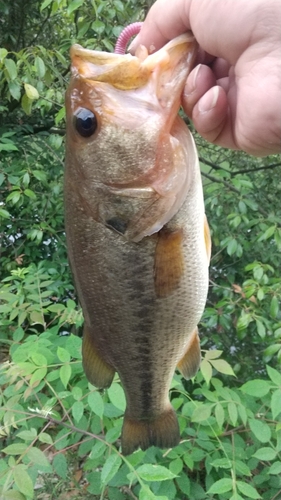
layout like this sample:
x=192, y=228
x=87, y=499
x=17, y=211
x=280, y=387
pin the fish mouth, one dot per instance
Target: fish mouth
x=127, y=72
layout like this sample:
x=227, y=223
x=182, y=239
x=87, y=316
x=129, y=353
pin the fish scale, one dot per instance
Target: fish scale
x=137, y=236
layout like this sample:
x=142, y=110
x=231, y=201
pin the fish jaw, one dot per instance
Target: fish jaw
x=136, y=101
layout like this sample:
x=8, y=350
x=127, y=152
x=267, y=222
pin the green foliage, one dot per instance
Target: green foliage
x=57, y=432
x=49, y=412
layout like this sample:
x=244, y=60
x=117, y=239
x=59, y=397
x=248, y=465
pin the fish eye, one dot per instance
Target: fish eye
x=85, y=122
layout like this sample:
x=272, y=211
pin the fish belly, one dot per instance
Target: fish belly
x=142, y=303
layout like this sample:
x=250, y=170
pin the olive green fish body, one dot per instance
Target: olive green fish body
x=138, y=242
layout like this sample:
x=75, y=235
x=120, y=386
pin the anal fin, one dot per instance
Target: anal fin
x=162, y=431
x=190, y=362
x=98, y=372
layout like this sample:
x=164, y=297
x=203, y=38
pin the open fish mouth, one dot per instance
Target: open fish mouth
x=129, y=72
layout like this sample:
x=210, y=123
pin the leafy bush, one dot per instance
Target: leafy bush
x=52, y=419
x=57, y=431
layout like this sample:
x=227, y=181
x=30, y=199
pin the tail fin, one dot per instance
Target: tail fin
x=162, y=431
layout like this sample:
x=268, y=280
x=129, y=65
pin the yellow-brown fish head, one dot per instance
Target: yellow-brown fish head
x=124, y=160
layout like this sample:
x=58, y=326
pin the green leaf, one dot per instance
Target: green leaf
x=111, y=466
x=219, y=414
x=11, y=68
x=232, y=246
x=260, y=328
x=31, y=92
x=243, y=321
x=242, y=468
x=206, y=370
x=274, y=307
x=223, y=463
x=26, y=104
x=63, y=355
x=119, y=5
x=39, y=175
x=98, y=449
x=183, y=482
x=15, y=449
x=36, y=317
x=14, y=495
x=23, y=480
x=3, y=53
x=212, y=354
x=232, y=412
x=28, y=435
x=176, y=466
x=96, y=403
x=4, y=214
x=146, y=494
x=36, y=456
x=113, y=434
x=45, y=4
x=274, y=375
x=65, y=374
x=267, y=234
x=15, y=89
x=38, y=359
x=77, y=410
x=44, y=437
x=201, y=413
x=14, y=197
x=261, y=430
x=276, y=403
x=257, y=388
x=247, y=490
x=30, y=194
x=60, y=115
x=117, y=396
x=74, y=6
x=242, y=207
x=98, y=27
x=8, y=146
x=40, y=66
x=38, y=375
x=150, y=472
x=275, y=468
x=221, y=486
x=265, y=454
x=60, y=465
x=222, y=366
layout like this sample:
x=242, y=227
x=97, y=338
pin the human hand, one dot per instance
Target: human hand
x=234, y=96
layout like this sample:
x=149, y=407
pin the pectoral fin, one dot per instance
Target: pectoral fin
x=168, y=262
x=190, y=362
x=207, y=237
x=98, y=372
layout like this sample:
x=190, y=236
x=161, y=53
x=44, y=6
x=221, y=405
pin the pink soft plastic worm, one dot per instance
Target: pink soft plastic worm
x=124, y=37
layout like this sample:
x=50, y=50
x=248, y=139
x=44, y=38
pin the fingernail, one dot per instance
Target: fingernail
x=191, y=84
x=209, y=100
x=133, y=45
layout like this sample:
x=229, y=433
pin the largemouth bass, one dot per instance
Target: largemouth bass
x=138, y=240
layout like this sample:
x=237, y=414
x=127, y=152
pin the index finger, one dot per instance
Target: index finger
x=164, y=21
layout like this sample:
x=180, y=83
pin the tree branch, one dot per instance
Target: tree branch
x=211, y=164
x=222, y=181
x=265, y=167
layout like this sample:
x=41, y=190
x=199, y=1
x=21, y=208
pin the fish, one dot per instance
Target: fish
x=137, y=236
